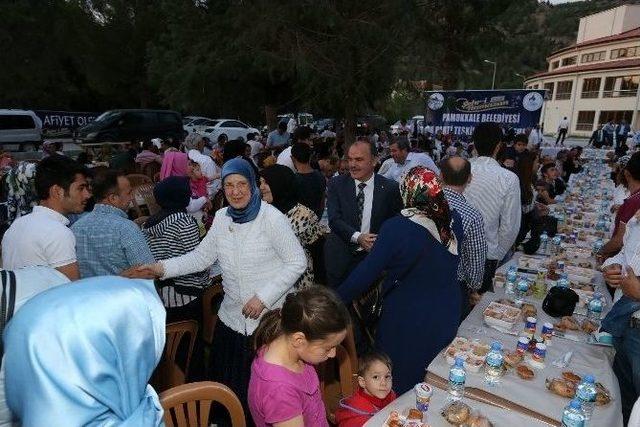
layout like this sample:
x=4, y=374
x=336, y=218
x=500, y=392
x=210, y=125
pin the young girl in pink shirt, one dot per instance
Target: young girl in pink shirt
x=284, y=390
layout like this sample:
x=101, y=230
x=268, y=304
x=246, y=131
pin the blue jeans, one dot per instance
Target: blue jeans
x=626, y=366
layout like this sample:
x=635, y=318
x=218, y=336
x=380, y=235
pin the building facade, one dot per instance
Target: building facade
x=596, y=80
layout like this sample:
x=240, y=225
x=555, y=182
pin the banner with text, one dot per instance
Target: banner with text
x=460, y=111
x=61, y=124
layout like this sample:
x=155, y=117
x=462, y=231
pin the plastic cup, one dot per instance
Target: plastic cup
x=423, y=396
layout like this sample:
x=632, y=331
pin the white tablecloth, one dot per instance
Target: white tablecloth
x=587, y=359
x=498, y=416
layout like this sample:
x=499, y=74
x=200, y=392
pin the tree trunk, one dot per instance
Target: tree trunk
x=270, y=116
x=349, y=121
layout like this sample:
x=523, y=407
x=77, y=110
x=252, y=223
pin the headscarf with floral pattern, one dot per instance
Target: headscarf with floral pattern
x=422, y=194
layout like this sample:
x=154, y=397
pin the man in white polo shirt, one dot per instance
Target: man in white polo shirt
x=402, y=160
x=42, y=237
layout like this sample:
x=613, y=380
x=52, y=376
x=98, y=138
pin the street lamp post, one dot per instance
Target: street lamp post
x=495, y=65
x=522, y=77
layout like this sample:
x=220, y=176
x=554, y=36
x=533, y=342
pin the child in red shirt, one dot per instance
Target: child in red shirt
x=374, y=393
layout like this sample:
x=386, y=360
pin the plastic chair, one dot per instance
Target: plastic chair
x=209, y=315
x=189, y=405
x=168, y=373
x=144, y=201
x=136, y=179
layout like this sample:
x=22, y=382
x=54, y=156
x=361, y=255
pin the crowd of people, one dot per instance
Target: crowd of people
x=307, y=226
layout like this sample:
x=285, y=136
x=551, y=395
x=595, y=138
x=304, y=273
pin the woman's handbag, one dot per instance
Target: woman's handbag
x=368, y=307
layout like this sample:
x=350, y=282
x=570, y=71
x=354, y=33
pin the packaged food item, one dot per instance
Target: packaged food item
x=570, y=376
x=568, y=323
x=547, y=332
x=513, y=358
x=456, y=413
x=524, y=372
x=423, y=396
x=561, y=387
x=530, y=327
x=501, y=316
x=523, y=345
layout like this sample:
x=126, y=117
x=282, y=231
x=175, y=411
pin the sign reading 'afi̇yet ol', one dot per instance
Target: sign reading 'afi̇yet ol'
x=460, y=111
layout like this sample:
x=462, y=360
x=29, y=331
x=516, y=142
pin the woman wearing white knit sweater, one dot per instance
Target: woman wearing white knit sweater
x=260, y=258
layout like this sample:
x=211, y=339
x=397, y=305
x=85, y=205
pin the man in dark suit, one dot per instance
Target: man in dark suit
x=597, y=137
x=357, y=205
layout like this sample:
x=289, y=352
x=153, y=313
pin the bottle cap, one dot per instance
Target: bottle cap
x=575, y=404
x=459, y=362
x=597, y=295
x=589, y=379
x=496, y=346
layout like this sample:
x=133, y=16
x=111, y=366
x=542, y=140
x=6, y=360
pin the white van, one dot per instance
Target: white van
x=20, y=127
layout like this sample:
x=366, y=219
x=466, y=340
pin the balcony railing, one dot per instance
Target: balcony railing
x=620, y=93
x=590, y=94
x=584, y=126
x=563, y=95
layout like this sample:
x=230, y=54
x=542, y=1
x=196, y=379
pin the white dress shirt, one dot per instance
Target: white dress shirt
x=535, y=138
x=392, y=170
x=284, y=158
x=40, y=238
x=365, y=225
x=564, y=124
x=629, y=255
x=619, y=194
x=495, y=192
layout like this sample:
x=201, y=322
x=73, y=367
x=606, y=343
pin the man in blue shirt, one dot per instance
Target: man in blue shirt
x=279, y=137
x=107, y=242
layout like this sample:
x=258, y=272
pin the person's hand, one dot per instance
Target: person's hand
x=253, y=308
x=366, y=241
x=613, y=275
x=631, y=285
x=145, y=271
x=474, y=298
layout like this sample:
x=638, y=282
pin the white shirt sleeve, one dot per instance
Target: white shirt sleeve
x=294, y=261
x=510, y=216
x=60, y=247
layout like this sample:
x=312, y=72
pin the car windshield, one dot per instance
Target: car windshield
x=108, y=116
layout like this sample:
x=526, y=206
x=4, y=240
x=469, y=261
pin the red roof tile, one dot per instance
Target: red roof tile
x=607, y=65
x=629, y=34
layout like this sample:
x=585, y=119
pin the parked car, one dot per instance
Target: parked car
x=132, y=125
x=411, y=122
x=370, y=122
x=232, y=129
x=321, y=124
x=199, y=124
x=20, y=127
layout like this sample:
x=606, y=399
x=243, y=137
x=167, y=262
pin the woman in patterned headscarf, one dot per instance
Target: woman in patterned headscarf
x=419, y=251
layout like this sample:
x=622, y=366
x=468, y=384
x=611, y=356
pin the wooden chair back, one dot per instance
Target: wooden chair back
x=209, y=314
x=189, y=405
x=169, y=373
x=136, y=179
x=144, y=201
x=337, y=381
x=151, y=169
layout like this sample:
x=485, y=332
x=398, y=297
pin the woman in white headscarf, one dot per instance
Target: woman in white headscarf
x=82, y=354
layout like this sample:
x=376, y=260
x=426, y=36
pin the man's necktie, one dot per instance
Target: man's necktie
x=360, y=201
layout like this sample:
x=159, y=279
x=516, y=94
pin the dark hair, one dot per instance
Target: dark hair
x=315, y=311
x=56, y=170
x=486, y=137
x=524, y=168
x=521, y=137
x=455, y=176
x=282, y=125
x=365, y=362
x=301, y=152
x=147, y=144
x=301, y=133
x=546, y=167
x=402, y=143
x=104, y=183
x=633, y=166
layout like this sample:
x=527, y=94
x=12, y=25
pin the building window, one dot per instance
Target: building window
x=591, y=88
x=615, y=116
x=593, y=57
x=620, y=87
x=585, y=120
x=555, y=64
x=564, y=89
x=569, y=61
x=549, y=88
x=625, y=52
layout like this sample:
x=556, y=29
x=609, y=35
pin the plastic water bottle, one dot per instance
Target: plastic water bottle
x=572, y=416
x=457, y=377
x=544, y=243
x=493, y=365
x=521, y=291
x=597, y=247
x=586, y=395
x=594, y=308
x=563, y=281
x=510, y=285
x=556, y=245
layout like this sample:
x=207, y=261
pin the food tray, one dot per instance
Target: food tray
x=501, y=316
